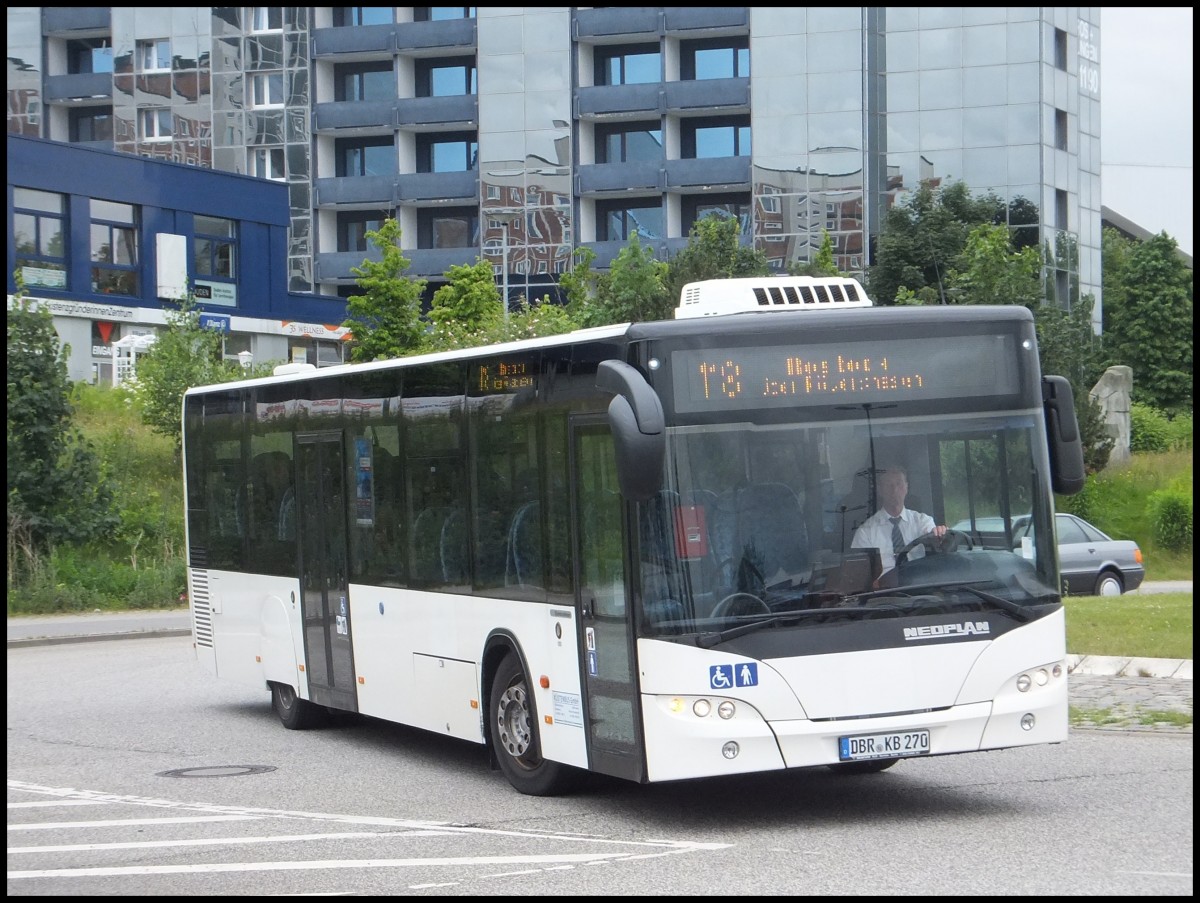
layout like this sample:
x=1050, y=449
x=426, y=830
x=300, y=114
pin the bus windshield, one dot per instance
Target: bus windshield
x=788, y=523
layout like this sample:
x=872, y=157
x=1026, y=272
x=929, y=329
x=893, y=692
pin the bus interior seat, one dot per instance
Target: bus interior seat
x=771, y=538
x=426, y=544
x=523, y=565
x=453, y=548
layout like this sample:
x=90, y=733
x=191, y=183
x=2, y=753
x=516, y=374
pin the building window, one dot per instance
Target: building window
x=266, y=18
x=442, y=13
x=91, y=124
x=704, y=139
x=364, y=81
x=155, y=124
x=352, y=229
x=618, y=220
x=366, y=157
x=628, y=65
x=89, y=55
x=214, y=252
x=456, y=227
x=233, y=344
x=154, y=56
x=697, y=206
x=446, y=78
x=1060, y=49
x=345, y=16
x=446, y=152
x=1060, y=129
x=266, y=89
x=39, y=221
x=718, y=58
x=1060, y=210
x=114, y=247
x=266, y=163
x=629, y=142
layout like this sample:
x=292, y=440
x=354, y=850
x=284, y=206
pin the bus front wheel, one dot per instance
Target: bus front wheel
x=295, y=713
x=514, y=735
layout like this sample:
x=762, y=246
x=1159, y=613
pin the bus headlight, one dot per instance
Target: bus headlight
x=726, y=710
x=701, y=708
x=1024, y=683
x=730, y=750
x=1027, y=721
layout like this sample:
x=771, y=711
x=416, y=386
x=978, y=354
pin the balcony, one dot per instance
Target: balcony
x=711, y=95
x=727, y=173
x=429, y=188
x=727, y=19
x=363, y=116
x=604, y=177
x=424, y=113
x=434, y=38
x=617, y=101
x=82, y=89
x=75, y=21
x=351, y=44
x=362, y=192
x=635, y=22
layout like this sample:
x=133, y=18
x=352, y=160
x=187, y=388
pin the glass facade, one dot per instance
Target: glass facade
x=578, y=126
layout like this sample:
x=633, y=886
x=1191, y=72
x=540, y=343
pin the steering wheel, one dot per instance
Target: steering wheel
x=950, y=541
x=740, y=604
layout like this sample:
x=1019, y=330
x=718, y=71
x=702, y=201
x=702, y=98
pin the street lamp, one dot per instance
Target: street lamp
x=505, y=218
x=245, y=358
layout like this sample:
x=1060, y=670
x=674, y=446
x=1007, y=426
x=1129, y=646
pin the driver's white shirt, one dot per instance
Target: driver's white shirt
x=876, y=532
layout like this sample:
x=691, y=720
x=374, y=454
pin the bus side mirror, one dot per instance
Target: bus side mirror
x=1067, y=474
x=635, y=416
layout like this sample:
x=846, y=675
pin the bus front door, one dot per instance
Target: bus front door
x=324, y=571
x=610, y=690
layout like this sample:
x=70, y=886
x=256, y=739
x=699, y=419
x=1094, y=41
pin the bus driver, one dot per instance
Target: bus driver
x=893, y=526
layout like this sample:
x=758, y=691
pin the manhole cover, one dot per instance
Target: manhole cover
x=216, y=771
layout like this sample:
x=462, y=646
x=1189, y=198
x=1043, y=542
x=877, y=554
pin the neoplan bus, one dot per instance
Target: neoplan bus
x=628, y=549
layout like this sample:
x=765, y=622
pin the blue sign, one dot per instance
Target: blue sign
x=215, y=321
x=725, y=677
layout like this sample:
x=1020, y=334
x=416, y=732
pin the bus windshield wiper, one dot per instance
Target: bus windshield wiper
x=1018, y=611
x=708, y=640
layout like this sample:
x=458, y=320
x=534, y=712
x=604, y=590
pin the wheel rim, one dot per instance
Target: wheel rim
x=512, y=723
x=287, y=696
x=1110, y=586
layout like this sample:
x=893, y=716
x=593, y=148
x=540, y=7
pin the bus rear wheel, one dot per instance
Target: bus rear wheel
x=514, y=735
x=296, y=714
x=867, y=766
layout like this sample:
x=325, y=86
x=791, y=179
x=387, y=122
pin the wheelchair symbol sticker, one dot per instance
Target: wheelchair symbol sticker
x=725, y=677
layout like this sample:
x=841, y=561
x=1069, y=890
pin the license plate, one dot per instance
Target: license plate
x=884, y=746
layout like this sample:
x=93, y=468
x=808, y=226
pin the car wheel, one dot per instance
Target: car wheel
x=294, y=713
x=1109, y=584
x=514, y=736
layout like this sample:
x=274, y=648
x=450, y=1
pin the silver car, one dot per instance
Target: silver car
x=1091, y=563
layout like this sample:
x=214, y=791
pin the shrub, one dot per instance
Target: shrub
x=1180, y=432
x=1149, y=429
x=1171, y=512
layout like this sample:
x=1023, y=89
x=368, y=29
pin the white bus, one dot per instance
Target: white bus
x=630, y=549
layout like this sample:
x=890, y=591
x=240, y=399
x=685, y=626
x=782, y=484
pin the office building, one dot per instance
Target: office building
x=521, y=134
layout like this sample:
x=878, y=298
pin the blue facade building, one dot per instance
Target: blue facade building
x=107, y=241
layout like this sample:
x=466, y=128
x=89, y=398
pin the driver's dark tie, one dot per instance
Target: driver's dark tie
x=897, y=536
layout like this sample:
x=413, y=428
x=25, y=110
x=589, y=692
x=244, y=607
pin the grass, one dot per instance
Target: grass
x=1133, y=625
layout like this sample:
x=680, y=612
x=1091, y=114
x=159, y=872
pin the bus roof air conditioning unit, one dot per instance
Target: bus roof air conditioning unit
x=714, y=297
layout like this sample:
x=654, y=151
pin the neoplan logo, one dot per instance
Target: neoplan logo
x=948, y=631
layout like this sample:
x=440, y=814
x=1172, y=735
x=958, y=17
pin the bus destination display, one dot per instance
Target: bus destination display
x=843, y=373
x=503, y=376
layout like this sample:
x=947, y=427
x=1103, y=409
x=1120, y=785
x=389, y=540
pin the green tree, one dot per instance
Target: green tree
x=386, y=318
x=713, y=251
x=57, y=492
x=467, y=309
x=989, y=271
x=1148, y=318
x=1067, y=346
x=183, y=355
x=633, y=288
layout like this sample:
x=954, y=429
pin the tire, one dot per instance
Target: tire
x=1109, y=584
x=512, y=726
x=868, y=766
x=294, y=713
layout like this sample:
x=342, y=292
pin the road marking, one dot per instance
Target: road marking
x=126, y=822
x=220, y=841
